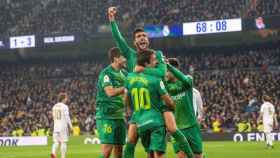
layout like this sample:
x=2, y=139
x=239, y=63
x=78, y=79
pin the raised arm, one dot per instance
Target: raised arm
x=186, y=80
x=160, y=69
x=117, y=36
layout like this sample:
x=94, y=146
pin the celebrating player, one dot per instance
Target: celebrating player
x=268, y=117
x=141, y=42
x=180, y=87
x=110, y=106
x=62, y=121
x=145, y=93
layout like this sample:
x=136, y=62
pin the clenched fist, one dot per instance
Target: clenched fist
x=112, y=11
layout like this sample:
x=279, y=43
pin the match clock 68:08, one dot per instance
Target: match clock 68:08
x=213, y=26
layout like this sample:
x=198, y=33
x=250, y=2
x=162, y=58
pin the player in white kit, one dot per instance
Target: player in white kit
x=268, y=116
x=62, y=122
x=197, y=105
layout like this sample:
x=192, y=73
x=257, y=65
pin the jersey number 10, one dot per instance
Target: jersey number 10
x=57, y=114
x=142, y=99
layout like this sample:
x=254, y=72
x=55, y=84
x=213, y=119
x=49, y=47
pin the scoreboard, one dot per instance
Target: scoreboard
x=32, y=41
x=213, y=26
x=22, y=42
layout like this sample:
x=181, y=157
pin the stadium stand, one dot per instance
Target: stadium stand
x=72, y=16
x=231, y=86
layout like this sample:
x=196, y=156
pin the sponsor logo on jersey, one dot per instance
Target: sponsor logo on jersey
x=179, y=96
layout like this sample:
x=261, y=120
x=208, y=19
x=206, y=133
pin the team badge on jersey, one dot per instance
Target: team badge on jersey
x=162, y=85
x=106, y=78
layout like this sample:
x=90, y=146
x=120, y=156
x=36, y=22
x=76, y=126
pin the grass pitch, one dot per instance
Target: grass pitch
x=77, y=149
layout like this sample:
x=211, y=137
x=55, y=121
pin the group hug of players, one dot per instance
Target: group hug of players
x=157, y=97
x=155, y=94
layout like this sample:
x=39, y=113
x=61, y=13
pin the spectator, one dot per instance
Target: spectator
x=216, y=124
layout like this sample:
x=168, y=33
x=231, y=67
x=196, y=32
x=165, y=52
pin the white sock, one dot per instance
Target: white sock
x=268, y=139
x=54, y=148
x=63, y=149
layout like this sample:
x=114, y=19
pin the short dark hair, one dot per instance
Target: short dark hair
x=137, y=30
x=144, y=57
x=174, y=62
x=114, y=52
x=61, y=96
x=266, y=98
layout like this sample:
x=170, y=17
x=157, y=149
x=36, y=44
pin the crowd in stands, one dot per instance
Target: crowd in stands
x=231, y=86
x=234, y=96
x=72, y=16
x=28, y=92
x=261, y=58
x=263, y=7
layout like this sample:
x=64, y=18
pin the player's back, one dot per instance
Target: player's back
x=268, y=111
x=144, y=92
x=183, y=97
x=60, y=114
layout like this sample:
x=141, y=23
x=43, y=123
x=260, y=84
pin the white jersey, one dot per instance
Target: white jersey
x=268, y=112
x=197, y=103
x=61, y=118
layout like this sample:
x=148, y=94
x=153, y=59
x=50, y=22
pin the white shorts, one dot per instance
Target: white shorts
x=267, y=127
x=60, y=137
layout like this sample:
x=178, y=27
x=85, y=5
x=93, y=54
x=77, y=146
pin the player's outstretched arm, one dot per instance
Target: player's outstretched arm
x=161, y=68
x=119, y=39
x=187, y=80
